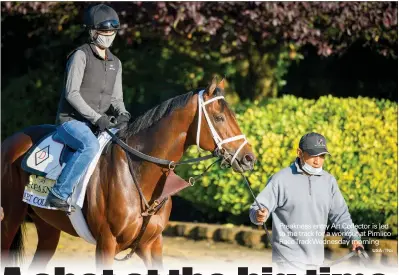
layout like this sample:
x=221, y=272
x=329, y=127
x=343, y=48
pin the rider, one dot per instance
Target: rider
x=92, y=88
x=301, y=198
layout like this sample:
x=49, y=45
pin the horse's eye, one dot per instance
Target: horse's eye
x=219, y=118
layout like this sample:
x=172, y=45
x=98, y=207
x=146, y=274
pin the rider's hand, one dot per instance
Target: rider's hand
x=357, y=244
x=124, y=117
x=103, y=122
x=261, y=215
x=122, y=120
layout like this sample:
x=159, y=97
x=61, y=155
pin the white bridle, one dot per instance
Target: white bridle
x=219, y=142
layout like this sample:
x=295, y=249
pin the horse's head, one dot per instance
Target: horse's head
x=218, y=129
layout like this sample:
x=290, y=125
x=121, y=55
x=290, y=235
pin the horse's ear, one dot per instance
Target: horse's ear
x=212, y=87
x=221, y=84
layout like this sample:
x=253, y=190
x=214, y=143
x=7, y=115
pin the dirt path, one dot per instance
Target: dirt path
x=176, y=251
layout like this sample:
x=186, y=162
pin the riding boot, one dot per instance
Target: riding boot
x=58, y=203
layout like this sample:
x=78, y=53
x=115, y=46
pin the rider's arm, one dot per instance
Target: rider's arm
x=267, y=198
x=75, y=70
x=339, y=214
x=117, y=96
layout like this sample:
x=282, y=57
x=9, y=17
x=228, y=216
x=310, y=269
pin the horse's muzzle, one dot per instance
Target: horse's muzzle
x=248, y=162
x=240, y=165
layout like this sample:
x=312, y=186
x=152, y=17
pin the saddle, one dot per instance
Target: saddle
x=48, y=157
x=45, y=161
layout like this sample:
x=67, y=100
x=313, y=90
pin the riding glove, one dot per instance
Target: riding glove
x=103, y=122
x=124, y=117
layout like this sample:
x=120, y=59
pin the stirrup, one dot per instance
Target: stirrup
x=70, y=210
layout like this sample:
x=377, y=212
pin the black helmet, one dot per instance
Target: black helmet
x=101, y=17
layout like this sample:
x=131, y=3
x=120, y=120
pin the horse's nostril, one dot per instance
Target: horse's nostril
x=249, y=158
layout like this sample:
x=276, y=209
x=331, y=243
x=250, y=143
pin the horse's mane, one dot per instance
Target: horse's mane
x=155, y=114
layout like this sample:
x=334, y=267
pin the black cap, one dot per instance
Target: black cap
x=314, y=144
x=101, y=17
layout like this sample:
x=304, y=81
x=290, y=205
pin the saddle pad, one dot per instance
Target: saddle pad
x=38, y=187
x=44, y=158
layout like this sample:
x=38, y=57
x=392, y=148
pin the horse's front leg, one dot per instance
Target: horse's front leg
x=105, y=250
x=156, y=253
x=144, y=252
x=151, y=254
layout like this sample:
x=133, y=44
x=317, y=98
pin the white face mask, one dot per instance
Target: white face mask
x=310, y=169
x=103, y=41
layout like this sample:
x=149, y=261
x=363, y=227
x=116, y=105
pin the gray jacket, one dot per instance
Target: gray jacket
x=301, y=206
x=92, y=86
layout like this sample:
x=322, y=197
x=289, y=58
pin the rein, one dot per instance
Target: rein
x=364, y=258
x=163, y=162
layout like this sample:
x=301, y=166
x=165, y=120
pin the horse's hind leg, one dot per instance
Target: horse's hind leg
x=48, y=238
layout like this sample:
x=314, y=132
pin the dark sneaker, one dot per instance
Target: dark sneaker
x=62, y=205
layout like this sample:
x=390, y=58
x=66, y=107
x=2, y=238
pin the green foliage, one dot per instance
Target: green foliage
x=362, y=137
x=252, y=42
x=331, y=27
x=30, y=100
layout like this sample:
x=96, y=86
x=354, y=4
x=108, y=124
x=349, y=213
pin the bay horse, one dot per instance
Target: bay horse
x=112, y=207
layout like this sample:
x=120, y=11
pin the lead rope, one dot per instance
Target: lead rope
x=363, y=255
x=265, y=227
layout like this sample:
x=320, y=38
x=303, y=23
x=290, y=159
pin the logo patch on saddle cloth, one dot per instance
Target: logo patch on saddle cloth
x=37, y=190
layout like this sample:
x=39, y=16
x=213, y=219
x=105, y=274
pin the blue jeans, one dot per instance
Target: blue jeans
x=79, y=137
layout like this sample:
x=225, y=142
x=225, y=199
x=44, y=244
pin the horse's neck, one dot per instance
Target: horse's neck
x=167, y=139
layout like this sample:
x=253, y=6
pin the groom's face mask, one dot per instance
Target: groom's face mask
x=311, y=164
x=102, y=39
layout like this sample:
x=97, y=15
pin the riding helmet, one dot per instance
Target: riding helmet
x=101, y=17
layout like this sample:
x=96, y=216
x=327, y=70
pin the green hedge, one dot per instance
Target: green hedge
x=362, y=137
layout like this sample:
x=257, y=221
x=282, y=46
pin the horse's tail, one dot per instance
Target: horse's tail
x=12, y=187
x=16, y=255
